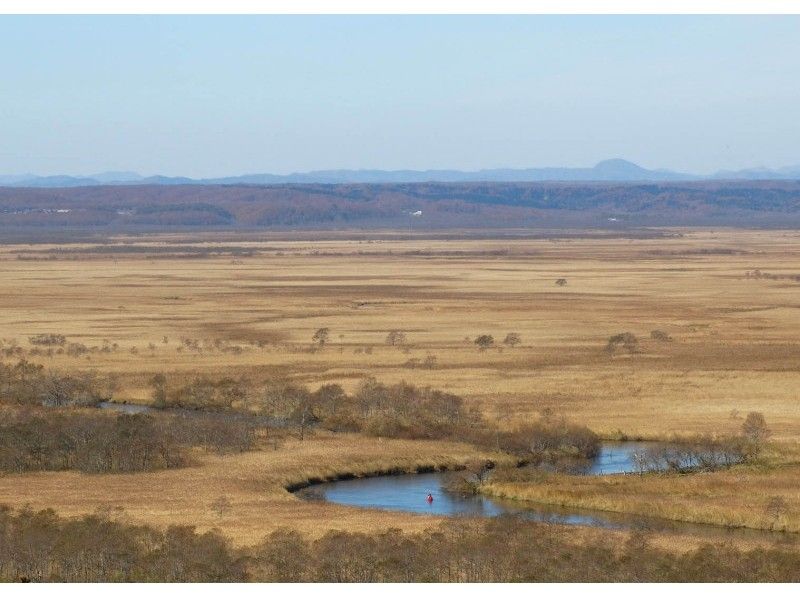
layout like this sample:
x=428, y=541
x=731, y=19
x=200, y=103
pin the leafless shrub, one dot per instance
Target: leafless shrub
x=48, y=339
x=320, y=337
x=626, y=340
x=660, y=336
x=484, y=341
x=221, y=506
x=396, y=338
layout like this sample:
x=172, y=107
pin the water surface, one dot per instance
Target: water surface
x=408, y=493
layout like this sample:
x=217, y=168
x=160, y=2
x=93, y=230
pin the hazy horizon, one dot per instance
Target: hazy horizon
x=221, y=95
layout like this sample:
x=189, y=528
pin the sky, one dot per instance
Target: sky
x=212, y=96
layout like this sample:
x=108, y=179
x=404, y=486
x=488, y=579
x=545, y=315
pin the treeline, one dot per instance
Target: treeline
x=26, y=383
x=224, y=414
x=403, y=410
x=478, y=205
x=95, y=442
x=399, y=410
x=705, y=452
x=395, y=411
x=40, y=546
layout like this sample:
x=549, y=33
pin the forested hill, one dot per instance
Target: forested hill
x=442, y=205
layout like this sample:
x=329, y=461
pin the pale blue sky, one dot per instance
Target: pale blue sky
x=212, y=96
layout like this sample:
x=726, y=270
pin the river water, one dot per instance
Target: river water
x=408, y=493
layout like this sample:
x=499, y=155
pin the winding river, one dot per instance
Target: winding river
x=407, y=493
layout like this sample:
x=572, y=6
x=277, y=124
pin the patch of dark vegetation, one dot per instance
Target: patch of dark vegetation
x=705, y=452
x=759, y=275
x=48, y=340
x=549, y=440
x=660, y=336
x=186, y=250
x=99, y=442
x=202, y=393
x=43, y=547
x=26, y=383
x=624, y=340
x=54, y=441
x=389, y=411
x=445, y=205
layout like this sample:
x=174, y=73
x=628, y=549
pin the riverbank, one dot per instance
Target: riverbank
x=763, y=495
x=243, y=494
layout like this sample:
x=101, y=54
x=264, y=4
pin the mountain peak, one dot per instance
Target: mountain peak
x=618, y=165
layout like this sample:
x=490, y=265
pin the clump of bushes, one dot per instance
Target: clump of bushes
x=41, y=546
x=49, y=340
x=90, y=441
x=397, y=411
x=549, y=440
x=48, y=441
x=26, y=383
x=705, y=452
x=484, y=341
x=626, y=340
x=202, y=393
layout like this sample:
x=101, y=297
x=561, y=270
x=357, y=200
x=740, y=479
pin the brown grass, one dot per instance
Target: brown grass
x=253, y=482
x=735, y=349
x=736, y=497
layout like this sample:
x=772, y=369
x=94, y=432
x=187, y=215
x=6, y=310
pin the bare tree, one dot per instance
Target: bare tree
x=484, y=341
x=159, y=395
x=480, y=468
x=755, y=431
x=626, y=339
x=321, y=337
x=775, y=510
x=221, y=506
x=429, y=363
x=395, y=338
x=660, y=336
x=290, y=405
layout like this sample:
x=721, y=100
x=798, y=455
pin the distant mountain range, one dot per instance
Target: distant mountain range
x=616, y=170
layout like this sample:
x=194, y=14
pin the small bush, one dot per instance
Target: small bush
x=50, y=340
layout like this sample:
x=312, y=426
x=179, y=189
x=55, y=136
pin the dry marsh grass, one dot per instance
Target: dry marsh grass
x=253, y=303
x=254, y=483
x=734, y=341
x=741, y=497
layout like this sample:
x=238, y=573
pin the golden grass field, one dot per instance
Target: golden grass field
x=252, y=482
x=734, y=498
x=735, y=348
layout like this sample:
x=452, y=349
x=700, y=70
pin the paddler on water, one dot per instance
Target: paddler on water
x=429, y=498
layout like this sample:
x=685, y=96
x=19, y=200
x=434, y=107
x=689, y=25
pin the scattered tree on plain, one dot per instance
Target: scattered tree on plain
x=484, y=341
x=626, y=340
x=321, y=337
x=755, y=431
x=775, y=510
x=159, y=394
x=660, y=336
x=395, y=338
x=221, y=506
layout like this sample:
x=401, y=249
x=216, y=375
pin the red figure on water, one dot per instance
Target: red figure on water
x=429, y=498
